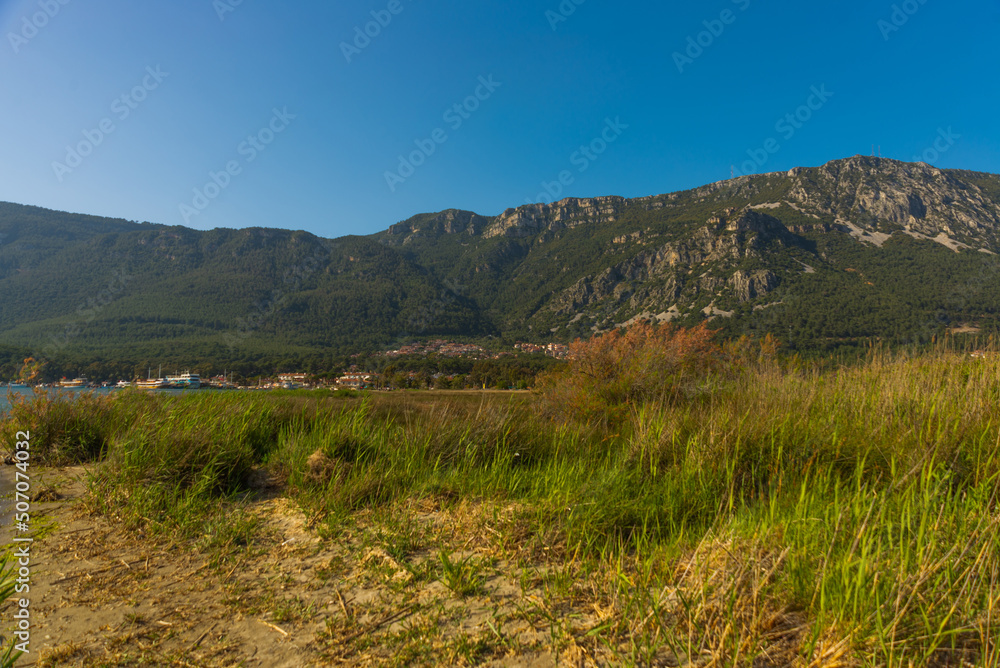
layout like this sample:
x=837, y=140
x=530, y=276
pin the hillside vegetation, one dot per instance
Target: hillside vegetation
x=826, y=259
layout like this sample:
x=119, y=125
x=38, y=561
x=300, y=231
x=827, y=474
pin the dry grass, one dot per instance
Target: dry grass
x=778, y=516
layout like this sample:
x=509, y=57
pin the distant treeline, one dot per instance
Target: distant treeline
x=404, y=371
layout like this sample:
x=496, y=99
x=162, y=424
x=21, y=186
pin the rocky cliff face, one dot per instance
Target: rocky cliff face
x=566, y=213
x=711, y=249
x=451, y=221
x=876, y=195
x=879, y=193
x=654, y=280
x=749, y=285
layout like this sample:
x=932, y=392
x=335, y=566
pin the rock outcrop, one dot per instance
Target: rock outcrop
x=534, y=218
x=733, y=242
x=882, y=194
x=451, y=221
x=749, y=285
x=655, y=279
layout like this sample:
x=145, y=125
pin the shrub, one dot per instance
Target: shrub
x=65, y=429
x=642, y=364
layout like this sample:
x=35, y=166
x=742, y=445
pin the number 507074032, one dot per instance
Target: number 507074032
x=21, y=454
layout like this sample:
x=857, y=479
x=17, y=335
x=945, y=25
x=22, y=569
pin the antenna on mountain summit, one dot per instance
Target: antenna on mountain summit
x=873, y=150
x=732, y=171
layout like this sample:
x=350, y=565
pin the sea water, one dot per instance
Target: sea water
x=69, y=392
x=6, y=394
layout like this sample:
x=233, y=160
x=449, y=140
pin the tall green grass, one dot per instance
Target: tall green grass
x=8, y=585
x=860, y=503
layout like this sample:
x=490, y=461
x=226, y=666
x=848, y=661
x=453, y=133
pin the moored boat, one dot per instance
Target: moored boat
x=185, y=381
x=219, y=383
x=76, y=382
x=158, y=383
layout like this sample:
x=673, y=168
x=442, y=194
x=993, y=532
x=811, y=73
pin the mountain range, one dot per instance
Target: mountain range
x=823, y=257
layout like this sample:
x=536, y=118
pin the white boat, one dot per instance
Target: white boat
x=185, y=381
x=123, y=384
x=76, y=382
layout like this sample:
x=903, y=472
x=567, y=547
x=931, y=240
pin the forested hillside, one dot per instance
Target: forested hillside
x=824, y=258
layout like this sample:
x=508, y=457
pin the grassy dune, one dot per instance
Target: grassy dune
x=757, y=514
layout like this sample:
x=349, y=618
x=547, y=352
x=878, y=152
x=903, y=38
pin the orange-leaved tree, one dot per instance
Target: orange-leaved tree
x=639, y=364
x=30, y=370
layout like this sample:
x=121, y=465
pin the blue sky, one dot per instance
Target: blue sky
x=288, y=115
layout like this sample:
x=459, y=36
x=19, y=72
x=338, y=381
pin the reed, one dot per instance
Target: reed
x=769, y=513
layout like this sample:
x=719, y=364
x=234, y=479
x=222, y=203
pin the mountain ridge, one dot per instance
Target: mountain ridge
x=854, y=249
